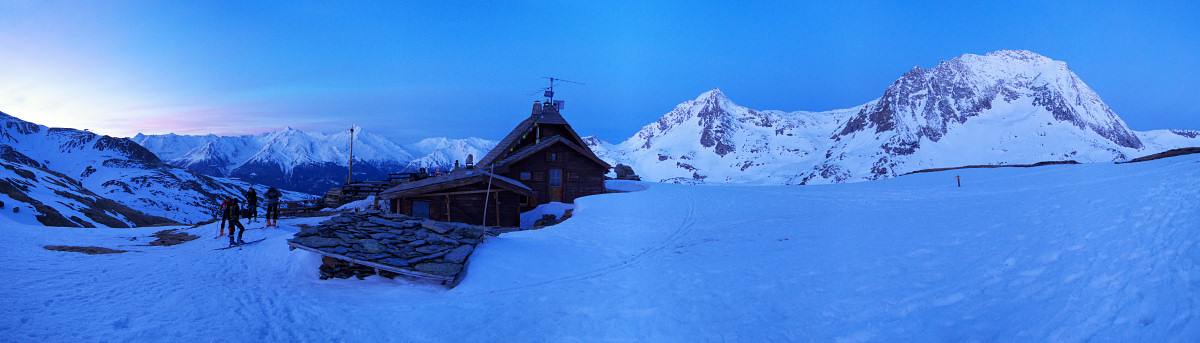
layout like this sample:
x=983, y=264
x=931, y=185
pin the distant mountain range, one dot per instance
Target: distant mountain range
x=69, y=177
x=1007, y=107
x=308, y=162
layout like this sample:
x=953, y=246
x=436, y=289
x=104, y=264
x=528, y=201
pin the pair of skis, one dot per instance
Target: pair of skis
x=222, y=232
x=238, y=245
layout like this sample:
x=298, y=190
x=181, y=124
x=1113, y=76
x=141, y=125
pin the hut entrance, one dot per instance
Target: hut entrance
x=420, y=209
x=556, y=185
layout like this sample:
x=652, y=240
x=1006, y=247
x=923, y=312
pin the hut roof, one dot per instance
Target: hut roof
x=456, y=178
x=549, y=115
x=545, y=143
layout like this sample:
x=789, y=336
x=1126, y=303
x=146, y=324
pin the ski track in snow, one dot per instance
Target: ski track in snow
x=1063, y=253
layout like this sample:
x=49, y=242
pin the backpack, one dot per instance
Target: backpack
x=233, y=210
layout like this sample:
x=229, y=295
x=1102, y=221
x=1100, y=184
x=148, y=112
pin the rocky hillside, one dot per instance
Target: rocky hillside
x=91, y=179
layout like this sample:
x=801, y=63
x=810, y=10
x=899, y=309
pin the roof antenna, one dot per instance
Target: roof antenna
x=350, y=168
x=549, y=91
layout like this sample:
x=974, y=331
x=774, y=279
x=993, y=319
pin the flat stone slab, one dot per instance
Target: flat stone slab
x=422, y=246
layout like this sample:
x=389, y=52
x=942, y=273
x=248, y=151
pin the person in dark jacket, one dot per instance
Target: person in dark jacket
x=221, y=212
x=232, y=214
x=251, y=206
x=273, y=206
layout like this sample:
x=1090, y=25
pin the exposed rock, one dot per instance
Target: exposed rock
x=394, y=261
x=436, y=226
x=384, y=222
x=625, y=172
x=85, y=250
x=459, y=254
x=318, y=241
x=429, y=257
x=439, y=239
x=371, y=246
x=171, y=237
x=398, y=241
x=429, y=249
x=546, y=220
x=442, y=269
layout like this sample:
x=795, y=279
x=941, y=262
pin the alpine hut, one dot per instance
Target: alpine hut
x=542, y=160
x=544, y=153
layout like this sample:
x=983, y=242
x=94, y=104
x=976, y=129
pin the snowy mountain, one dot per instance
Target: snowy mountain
x=441, y=153
x=73, y=177
x=1007, y=107
x=307, y=162
x=34, y=195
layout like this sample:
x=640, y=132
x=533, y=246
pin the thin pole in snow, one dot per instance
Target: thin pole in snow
x=487, y=196
x=959, y=179
x=350, y=169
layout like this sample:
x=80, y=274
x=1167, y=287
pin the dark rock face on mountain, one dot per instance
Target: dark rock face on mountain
x=924, y=103
x=716, y=126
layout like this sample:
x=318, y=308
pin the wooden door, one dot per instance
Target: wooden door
x=556, y=185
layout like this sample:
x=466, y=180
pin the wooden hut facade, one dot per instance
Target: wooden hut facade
x=465, y=195
x=544, y=153
x=542, y=160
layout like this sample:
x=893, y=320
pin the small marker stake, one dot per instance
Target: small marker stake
x=959, y=179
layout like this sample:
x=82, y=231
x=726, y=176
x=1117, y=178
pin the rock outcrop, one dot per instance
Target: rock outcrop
x=405, y=245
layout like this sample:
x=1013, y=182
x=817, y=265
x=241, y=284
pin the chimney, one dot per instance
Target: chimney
x=537, y=108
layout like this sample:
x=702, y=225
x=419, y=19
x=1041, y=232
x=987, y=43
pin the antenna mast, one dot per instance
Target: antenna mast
x=549, y=91
x=350, y=169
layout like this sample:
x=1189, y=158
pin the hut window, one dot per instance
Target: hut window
x=551, y=156
x=526, y=175
x=420, y=209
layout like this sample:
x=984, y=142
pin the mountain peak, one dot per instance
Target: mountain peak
x=712, y=94
x=1024, y=55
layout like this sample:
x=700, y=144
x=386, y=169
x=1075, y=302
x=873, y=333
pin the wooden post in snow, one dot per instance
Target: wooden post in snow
x=350, y=169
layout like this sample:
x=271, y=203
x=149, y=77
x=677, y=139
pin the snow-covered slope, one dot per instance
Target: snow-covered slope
x=34, y=195
x=308, y=162
x=1007, y=107
x=104, y=168
x=1077, y=253
x=712, y=139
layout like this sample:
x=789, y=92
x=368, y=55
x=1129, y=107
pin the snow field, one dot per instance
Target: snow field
x=1070, y=253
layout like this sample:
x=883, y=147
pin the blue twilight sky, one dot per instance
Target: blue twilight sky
x=410, y=70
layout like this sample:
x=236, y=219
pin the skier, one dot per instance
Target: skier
x=232, y=214
x=251, y=205
x=221, y=211
x=273, y=206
